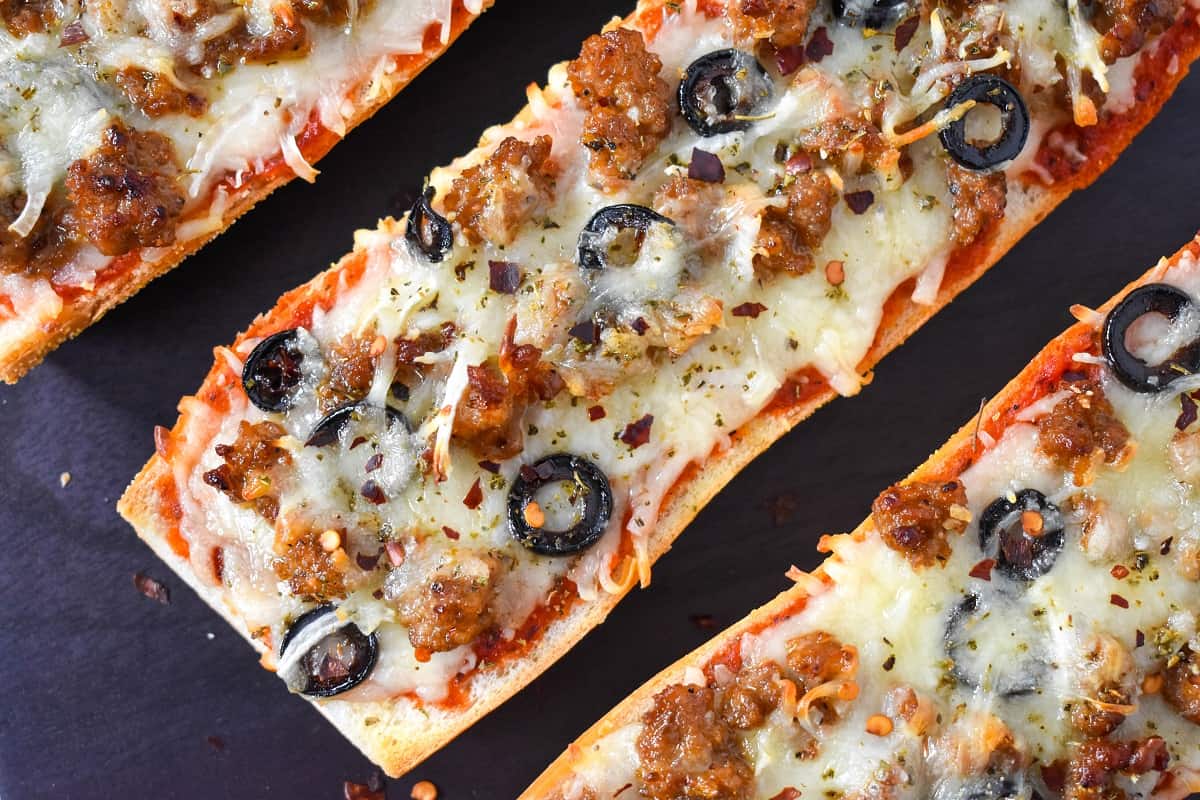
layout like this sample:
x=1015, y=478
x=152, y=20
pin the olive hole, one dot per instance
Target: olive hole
x=562, y=504
x=984, y=125
x=1154, y=337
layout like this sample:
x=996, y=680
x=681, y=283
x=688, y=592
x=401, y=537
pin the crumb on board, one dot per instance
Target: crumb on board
x=424, y=790
x=64, y=479
x=151, y=588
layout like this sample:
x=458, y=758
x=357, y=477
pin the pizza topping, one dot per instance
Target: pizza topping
x=685, y=750
x=126, y=194
x=615, y=235
x=428, y=230
x=23, y=17
x=1127, y=24
x=1014, y=123
x=252, y=466
x=1095, y=764
x=872, y=14
x=352, y=425
x=561, y=482
x=783, y=23
x=491, y=200
x=914, y=519
x=724, y=91
x=271, y=375
x=312, y=571
x=155, y=95
x=1027, y=532
x=616, y=81
x=350, y=370
x=321, y=655
x=788, y=236
x=1181, y=684
x=979, y=200
x=1177, y=353
x=985, y=652
x=450, y=608
x=706, y=166
x=1081, y=431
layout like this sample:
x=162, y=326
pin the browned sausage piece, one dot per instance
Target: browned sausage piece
x=1181, y=686
x=126, y=193
x=252, y=468
x=155, y=95
x=685, y=750
x=628, y=105
x=1127, y=24
x=311, y=572
x=453, y=608
x=351, y=363
x=782, y=22
x=787, y=236
x=490, y=200
x=979, y=200
x=23, y=17
x=1082, y=430
x=751, y=697
x=914, y=518
x=1095, y=763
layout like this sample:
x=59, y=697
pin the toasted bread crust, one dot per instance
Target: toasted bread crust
x=18, y=355
x=405, y=735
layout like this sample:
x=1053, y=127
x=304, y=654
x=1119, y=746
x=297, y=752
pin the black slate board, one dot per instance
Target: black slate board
x=107, y=694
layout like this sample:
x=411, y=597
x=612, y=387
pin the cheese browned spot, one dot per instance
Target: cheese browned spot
x=23, y=17
x=490, y=200
x=914, y=519
x=628, y=105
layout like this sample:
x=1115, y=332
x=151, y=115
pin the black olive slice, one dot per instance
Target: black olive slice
x=987, y=649
x=587, y=480
x=1020, y=555
x=982, y=787
x=1155, y=298
x=721, y=90
x=1014, y=123
x=601, y=230
x=272, y=373
x=326, y=431
x=874, y=14
x=335, y=663
x=428, y=230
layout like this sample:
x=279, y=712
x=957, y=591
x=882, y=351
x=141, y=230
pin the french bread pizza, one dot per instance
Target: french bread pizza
x=1016, y=619
x=133, y=131
x=424, y=475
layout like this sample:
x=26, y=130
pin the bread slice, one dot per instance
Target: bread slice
x=397, y=733
x=868, y=588
x=27, y=335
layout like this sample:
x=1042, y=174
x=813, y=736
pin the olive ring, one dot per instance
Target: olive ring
x=428, y=230
x=1021, y=555
x=597, y=509
x=1135, y=373
x=326, y=431
x=320, y=681
x=1014, y=123
x=720, y=91
x=272, y=373
x=593, y=241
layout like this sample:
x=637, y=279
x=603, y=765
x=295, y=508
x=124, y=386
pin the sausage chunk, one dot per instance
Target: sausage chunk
x=489, y=415
x=23, y=17
x=155, y=95
x=783, y=23
x=979, y=200
x=1095, y=763
x=687, y=752
x=787, y=236
x=1127, y=24
x=48, y=246
x=628, y=105
x=288, y=38
x=1081, y=431
x=1182, y=686
x=453, y=608
x=252, y=468
x=751, y=697
x=914, y=518
x=126, y=193
x=489, y=201
x=351, y=371
x=311, y=573
x=851, y=136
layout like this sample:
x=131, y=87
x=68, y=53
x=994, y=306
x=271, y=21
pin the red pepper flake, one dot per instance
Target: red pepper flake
x=218, y=563
x=395, y=553
x=374, y=462
x=73, y=34
x=367, y=563
x=705, y=622
x=373, y=492
x=835, y=273
x=1119, y=571
x=216, y=743
x=637, y=433
x=983, y=570
x=361, y=791
x=357, y=441
x=451, y=533
x=798, y=164
x=1139, y=639
x=790, y=793
x=1118, y=601
x=640, y=326
x=749, y=310
x=152, y=589
x=1188, y=413
x=859, y=202
x=587, y=332
x=617, y=793
x=597, y=412
x=789, y=59
x=705, y=166
x=819, y=46
x=474, y=496
x=905, y=31
x=503, y=276
x=490, y=466
x=1165, y=548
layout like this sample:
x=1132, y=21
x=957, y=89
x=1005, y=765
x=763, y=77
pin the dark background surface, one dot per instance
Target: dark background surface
x=109, y=695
